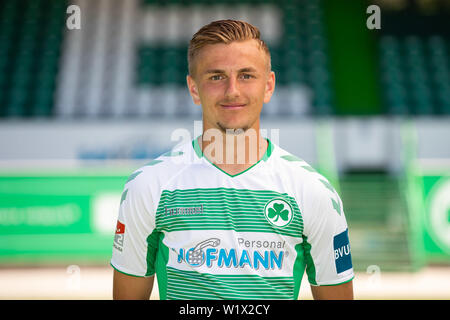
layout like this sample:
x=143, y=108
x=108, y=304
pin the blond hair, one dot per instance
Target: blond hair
x=223, y=31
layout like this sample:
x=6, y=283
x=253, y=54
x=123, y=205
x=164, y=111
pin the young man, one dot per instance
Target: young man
x=219, y=219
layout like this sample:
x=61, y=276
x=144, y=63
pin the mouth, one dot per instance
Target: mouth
x=231, y=106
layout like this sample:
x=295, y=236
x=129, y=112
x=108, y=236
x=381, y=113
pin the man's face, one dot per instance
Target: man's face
x=231, y=82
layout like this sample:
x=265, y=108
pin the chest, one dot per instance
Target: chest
x=239, y=210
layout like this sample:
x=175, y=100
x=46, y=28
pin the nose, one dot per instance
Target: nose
x=232, y=88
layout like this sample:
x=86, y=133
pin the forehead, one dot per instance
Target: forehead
x=237, y=54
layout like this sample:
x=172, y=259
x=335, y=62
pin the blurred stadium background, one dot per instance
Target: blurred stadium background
x=80, y=109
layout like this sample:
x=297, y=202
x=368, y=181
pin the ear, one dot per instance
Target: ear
x=193, y=89
x=270, y=87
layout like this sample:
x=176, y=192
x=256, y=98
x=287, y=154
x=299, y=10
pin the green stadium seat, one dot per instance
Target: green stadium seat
x=30, y=43
x=43, y=102
x=16, y=106
x=170, y=66
x=439, y=66
x=444, y=101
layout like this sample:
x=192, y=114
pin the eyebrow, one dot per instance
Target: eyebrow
x=248, y=69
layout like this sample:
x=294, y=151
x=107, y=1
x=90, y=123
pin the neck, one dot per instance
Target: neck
x=233, y=149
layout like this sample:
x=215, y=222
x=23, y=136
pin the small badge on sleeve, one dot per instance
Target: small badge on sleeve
x=119, y=236
x=342, y=256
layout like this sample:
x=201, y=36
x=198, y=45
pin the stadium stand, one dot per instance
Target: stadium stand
x=31, y=36
x=413, y=67
x=414, y=56
x=375, y=205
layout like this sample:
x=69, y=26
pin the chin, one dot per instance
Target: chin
x=238, y=128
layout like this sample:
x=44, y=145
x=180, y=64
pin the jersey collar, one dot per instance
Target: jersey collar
x=265, y=157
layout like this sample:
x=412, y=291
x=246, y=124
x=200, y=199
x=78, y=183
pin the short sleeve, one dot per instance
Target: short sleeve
x=326, y=245
x=134, y=247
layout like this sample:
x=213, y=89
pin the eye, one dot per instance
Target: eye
x=246, y=76
x=216, y=77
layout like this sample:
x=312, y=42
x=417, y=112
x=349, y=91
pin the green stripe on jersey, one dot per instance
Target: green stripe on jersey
x=186, y=285
x=240, y=210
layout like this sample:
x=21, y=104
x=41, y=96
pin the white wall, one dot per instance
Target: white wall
x=371, y=142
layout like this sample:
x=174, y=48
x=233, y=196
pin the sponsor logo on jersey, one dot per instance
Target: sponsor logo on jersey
x=183, y=211
x=342, y=255
x=209, y=253
x=278, y=212
x=119, y=236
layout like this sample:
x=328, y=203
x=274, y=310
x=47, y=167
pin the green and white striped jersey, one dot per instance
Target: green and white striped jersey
x=211, y=235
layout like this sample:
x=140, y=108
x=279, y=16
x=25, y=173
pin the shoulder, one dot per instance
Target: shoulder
x=157, y=172
x=294, y=166
x=310, y=185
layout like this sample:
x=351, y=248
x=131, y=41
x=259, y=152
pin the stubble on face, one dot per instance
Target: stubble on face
x=232, y=131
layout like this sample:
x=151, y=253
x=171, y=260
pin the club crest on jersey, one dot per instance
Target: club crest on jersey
x=278, y=212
